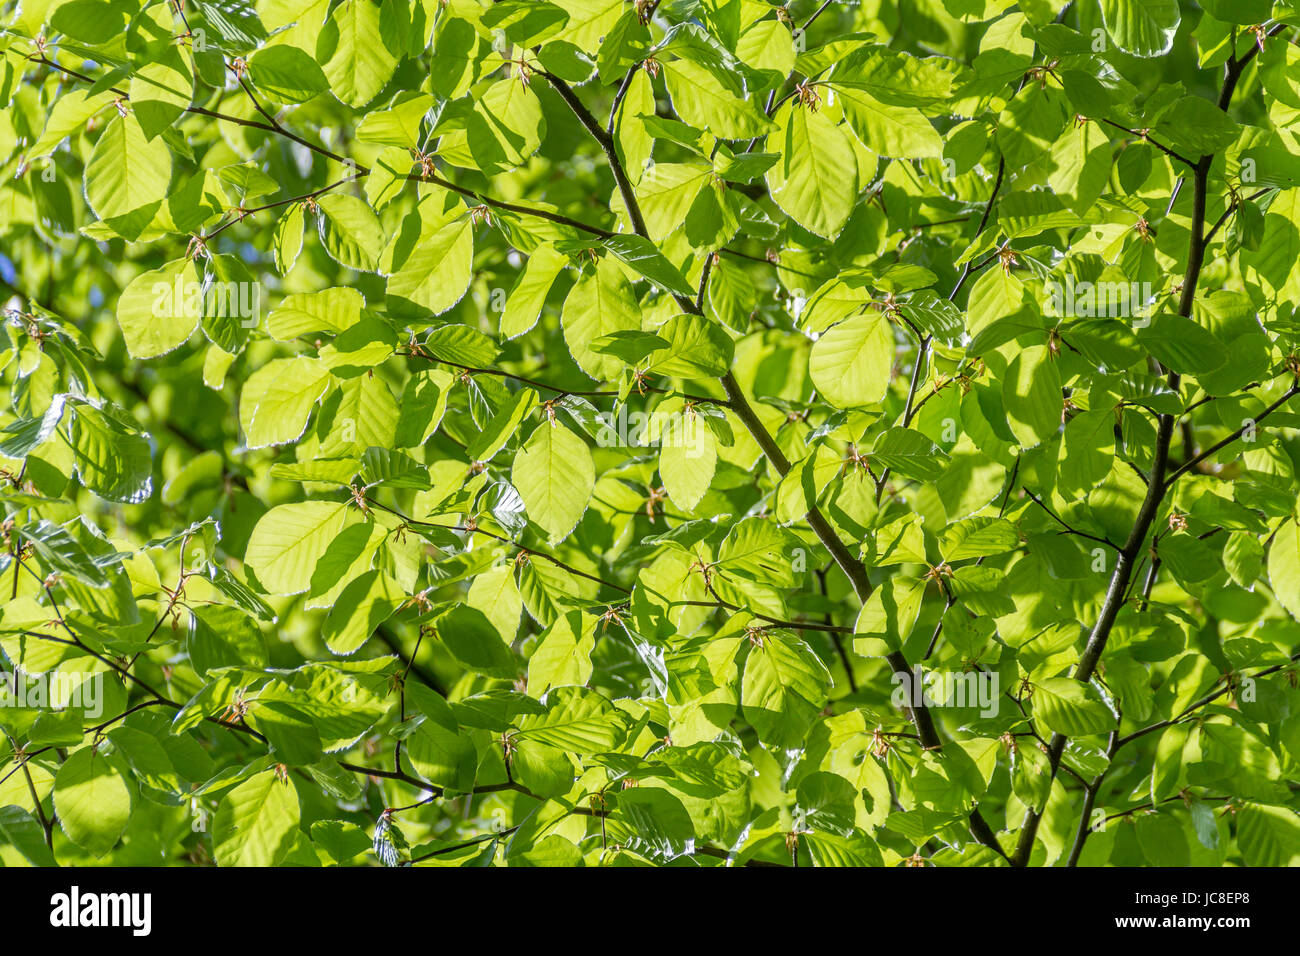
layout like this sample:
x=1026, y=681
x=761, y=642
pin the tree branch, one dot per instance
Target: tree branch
x=1191, y=463
x=1157, y=485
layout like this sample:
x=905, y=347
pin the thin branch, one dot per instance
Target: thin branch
x=561, y=392
x=646, y=16
x=813, y=19
x=1232, y=208
x=1196, y=460
x=1061, y=521
x=1202, y=702
x=1089, y=800
x=241, y=214
x=839, y=643
x=967, y=270
x=273, y=127
x=704, y=280
x=531, y=552
x=1145, y=137
x=46, y=825
x=485, y=200
x=408, y=660
x=494, y=788
x=774, y=262
x=911, y=407
x=466, y=844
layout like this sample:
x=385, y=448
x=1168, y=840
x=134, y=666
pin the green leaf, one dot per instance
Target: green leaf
x=504, y=128
x=350, y=231
x=1182, y=345
x=688, y=456
x=850, y=362
x=631, y=347
x=667, y=192
x=56, y=548
x=436, y=274
x=784, y=688
x=978, y=537
x=1284, y=566
x=223, y=636
x=658, y=819
x=1087, y=449
x=888, y=616
x=399, y=126
x=473, y=640
x=93, y=800
x=826, y=803
x=703, y=99
x=909, y=453
x=291, y=539
x=896, y=76
x=68, y=115
x=342, y=841
x=526, y=24
x=576, y=720
x=437, y=750
x=1162, y=840
x=1070, y=707
x=1141, y=27
x=127, y=171
x=310, y=313
x=287, y=74
x=1031, y=774
x=112, y=457
x=1197, y=127
x=21, y=830
x=256, y=822
x=423, y=403
x=624, y=46
x=278, y=399
x=642, y=255
x=544, y=770
x=563, y=655
x=1239, y=11
x=934, y=316
x=900, y=132
x=362, y=606
x=600, y=303
x=357, y=63
x=1031, y=395
x=758, y=550
x=503, y=425
x=287, y=244
x=90, y=21
x=694, y=348
x=527, y=298
x=1268, y=835
x=555, y=476
x=161, y=90
x=831, y=850
x=815, y=180
x=159, y=309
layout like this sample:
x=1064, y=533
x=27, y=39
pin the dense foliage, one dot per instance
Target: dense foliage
x=692, y=432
